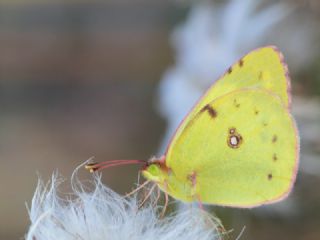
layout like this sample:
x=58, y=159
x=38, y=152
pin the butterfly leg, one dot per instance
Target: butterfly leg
x=137, y=188
x=199, y=202
x=192, y=177
x=147, y=196
x=157, y=197
x=166, y=201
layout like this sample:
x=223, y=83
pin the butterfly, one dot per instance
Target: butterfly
x=239, y=145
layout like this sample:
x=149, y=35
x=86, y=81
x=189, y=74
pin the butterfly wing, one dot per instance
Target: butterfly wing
x=239, y=150
x=262, y=68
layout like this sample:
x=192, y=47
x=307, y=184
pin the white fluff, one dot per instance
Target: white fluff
x=103, y=214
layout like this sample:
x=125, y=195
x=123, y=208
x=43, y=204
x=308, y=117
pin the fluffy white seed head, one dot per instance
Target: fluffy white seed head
x=103, y=214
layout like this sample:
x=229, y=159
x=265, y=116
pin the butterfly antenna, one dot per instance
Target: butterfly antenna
x=138, y=188
x=93, y=167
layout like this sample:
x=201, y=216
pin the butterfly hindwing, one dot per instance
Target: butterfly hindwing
x=241, y=150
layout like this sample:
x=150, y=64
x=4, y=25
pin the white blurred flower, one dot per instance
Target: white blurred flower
x=103, y=214
x=307, y=111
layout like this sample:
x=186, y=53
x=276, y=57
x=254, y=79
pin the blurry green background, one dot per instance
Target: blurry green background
x=79, y=79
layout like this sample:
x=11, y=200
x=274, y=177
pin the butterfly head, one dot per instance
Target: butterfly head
x=156, y=170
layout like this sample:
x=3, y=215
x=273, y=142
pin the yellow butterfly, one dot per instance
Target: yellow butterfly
x=239, y=145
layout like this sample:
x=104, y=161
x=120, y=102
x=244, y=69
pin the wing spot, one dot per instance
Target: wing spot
x=265, y=124
x=274, y=157
x=235, y=103
x=192, y=177
x=274, y=138
x=212, y=112
x=260, y=75
x=241, y=62
x=269, y=176
x=229, y=70
x=234, y=139
x=256, y=112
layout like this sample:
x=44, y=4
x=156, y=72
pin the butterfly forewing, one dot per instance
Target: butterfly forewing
x=262, y=68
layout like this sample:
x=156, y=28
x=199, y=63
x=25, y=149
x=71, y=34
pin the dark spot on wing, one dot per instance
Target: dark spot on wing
x=235, y=103
x=241, y=62
x=269, y=176
x=234, y=139
x=260, y=75
x=230, y=70
x=274, y=157
x=274, y=138
x=192, y=177
x=212, y=112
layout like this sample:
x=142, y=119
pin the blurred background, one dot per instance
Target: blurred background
x=112, y=79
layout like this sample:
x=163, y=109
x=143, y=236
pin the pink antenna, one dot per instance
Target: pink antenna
x=92, y=167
